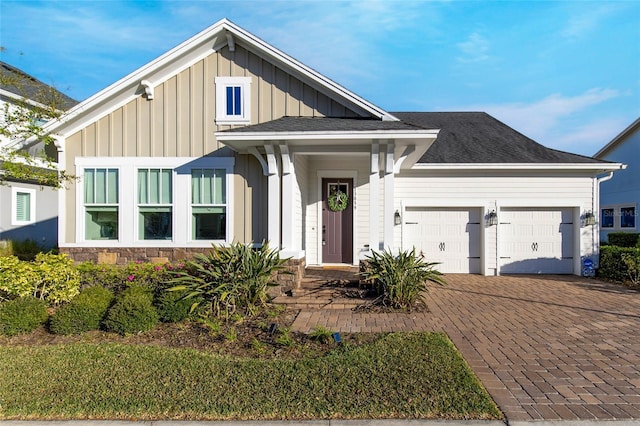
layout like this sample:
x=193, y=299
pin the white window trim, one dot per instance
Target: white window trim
x=128, y=199
x=14, y=206
x=81, y=205
x=608, y=228
x=617, y=217
x=221, y=84
x=635, y=223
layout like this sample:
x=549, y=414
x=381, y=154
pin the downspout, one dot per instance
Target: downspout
x=596, y=211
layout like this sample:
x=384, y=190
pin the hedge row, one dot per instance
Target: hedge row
x=624, y=239
x=612, y=267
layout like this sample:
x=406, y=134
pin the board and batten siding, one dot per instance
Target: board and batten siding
x=495, y=192
x=180, y=122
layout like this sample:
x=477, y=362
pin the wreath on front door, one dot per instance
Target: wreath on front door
x=338, y=201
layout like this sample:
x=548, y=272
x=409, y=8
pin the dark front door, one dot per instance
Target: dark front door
x=337, y=222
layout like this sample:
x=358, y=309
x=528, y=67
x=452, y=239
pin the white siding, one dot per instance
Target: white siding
x=301, y=166
x=492, y=192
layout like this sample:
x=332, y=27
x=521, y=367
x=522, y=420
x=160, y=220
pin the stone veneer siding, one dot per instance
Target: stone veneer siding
x=288, y=279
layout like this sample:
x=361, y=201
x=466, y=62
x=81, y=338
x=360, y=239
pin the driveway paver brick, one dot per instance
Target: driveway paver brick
x=545, y=347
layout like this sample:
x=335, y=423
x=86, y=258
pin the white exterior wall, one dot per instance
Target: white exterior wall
x=495, y=192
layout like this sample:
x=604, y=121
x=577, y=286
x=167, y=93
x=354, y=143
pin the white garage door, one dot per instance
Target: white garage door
x=536, y=241
x=448, y=236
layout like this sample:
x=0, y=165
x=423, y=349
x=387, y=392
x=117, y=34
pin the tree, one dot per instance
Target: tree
x=26, y=152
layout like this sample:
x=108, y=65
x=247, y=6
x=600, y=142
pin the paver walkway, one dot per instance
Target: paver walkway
x=545, y=347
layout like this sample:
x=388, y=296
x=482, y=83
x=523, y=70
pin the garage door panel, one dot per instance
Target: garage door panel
x=535, y=241
x=448, y=236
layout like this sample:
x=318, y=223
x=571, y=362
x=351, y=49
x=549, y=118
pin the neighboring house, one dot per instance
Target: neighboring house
x=225, y=138
x=620, y=195
x=27, y=210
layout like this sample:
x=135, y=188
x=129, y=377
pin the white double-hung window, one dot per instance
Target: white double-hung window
x=154, y=201
x=101, y=203
x=155, y=212
x=233, y=100
x=208, y=204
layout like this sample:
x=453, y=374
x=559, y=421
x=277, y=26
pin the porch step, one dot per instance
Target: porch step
x=317, y=302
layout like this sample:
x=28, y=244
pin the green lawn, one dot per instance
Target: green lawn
x=400, y=375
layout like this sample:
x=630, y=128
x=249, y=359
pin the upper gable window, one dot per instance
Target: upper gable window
x=233, y=96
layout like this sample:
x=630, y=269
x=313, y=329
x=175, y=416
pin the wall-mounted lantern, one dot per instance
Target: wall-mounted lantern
x=397, y=220
x=589, y=218
x=492, y=218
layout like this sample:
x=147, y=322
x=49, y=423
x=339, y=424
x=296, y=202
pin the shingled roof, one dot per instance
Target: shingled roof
x=25, y=86
x=465, y=137
x=477, y=137
x=325, y=124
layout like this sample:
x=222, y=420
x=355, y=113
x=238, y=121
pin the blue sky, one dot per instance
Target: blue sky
x=566, y=74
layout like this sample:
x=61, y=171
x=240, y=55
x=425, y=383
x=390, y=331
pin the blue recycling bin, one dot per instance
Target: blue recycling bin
x=588, y=268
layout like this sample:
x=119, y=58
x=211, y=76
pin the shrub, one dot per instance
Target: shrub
x=230, y=279
x=612, y=266
x=172, y=306
x=133, y=312
x=632, y=262
x=22, y=315
x=83, y=313
x=50, y=277
x=26, y=249
x=400, y=280
x=624, y=239
x=119, y=277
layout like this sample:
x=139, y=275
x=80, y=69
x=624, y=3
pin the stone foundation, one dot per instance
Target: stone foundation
x=121, y=256
x=289, y=278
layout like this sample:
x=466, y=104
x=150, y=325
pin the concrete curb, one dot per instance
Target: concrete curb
x=383, y=422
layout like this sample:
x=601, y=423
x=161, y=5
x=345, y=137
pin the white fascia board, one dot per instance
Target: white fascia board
x=519, y=166
x=619, y=138
x=186, y=54
x=126, y=89
x=292, y=64
x=19, y=98
x=322, y=135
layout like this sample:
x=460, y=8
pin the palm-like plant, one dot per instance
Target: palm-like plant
x=231, y=278
x=401, y=280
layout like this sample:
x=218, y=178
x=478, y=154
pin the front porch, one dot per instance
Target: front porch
x=303, y=159
x=325, y=288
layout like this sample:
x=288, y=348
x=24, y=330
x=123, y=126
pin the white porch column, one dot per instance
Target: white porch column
x=288, y=195
x=374, y=198
x=388, y=197
x=273, y=211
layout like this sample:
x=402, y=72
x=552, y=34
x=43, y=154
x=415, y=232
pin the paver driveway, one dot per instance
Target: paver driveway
x=545, y=347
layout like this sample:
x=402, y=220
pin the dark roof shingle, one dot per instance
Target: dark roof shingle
x=324, y=124
x=25, y=86
x=477, y=137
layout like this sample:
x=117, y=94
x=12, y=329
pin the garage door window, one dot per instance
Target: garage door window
x=607, y=218
x=628, y=217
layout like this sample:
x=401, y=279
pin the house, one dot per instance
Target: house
x=226, y=138
x=28, y=210
x=620, y=193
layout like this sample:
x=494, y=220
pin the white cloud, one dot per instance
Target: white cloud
x=474, y=49
x=587, y=20
x=537, y=118
x=558, y=121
